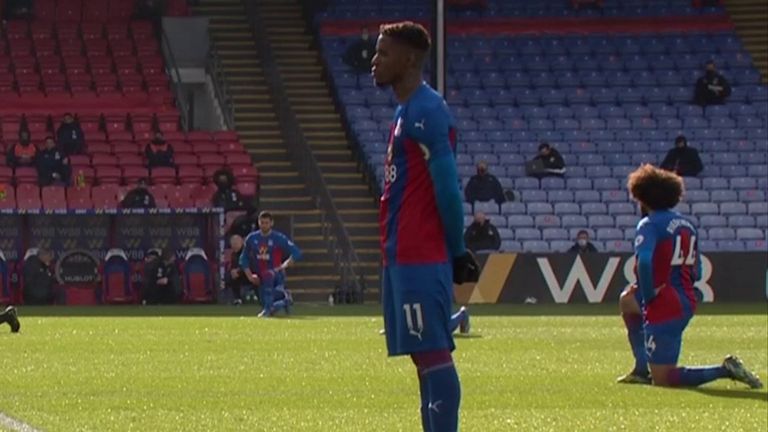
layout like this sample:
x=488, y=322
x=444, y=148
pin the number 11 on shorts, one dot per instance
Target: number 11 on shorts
x=414, y=319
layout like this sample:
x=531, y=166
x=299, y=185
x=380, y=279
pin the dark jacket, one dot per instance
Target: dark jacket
x=19, y=155
x=244, y=225
x=712, y=89
x=164, y=294
x=50, y=162
x=685, y=161
x=358, y=56
x=482, y=237
x=159, y=154
x=589, y=248
x=553, y=161
x=234, y=263
x=38, y=282
x=544, y=166
x=484, y=187
x=138, y=198
x=228, y=198
x=70, y=138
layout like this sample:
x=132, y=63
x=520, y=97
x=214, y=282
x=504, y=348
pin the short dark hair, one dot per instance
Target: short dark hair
x=50, y=137
x=544, y=145
x=408, y=32
x=582, y=232
x=266, y=215
x=655, y=188
x=681, y=139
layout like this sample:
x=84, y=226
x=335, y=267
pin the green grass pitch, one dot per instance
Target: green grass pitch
x=528, y=368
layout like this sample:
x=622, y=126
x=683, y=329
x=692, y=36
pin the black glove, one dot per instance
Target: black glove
x=465, y=269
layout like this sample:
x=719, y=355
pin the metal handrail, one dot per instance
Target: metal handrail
x=334, y=231
x=173, y=69
x=220, y=87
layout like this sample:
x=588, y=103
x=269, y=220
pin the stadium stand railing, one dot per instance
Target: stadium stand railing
x=334, y=230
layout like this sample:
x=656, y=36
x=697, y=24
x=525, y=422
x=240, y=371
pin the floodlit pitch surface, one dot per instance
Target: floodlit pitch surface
x=527, y=368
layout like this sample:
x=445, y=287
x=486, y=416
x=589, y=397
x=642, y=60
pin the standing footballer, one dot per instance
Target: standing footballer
x=668, y=265
x=421, y=222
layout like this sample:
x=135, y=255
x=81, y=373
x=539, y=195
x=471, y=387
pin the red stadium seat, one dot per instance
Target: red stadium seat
x=211, y=160
x=247, y=189
x=28, y=202
x=95, y=11
x=205, y=147
x=191, y=174
x=185, y=159
x=74, y=193
x=69, y=10
x=105, y=196
x=101, y=159
x=6, y=174
x=109, y=174
x=132, y=174
x=26, y=175
x=197, y=136
x=238, y=159
x=120, y=136
x=225, y=136
x=80, y=159
x=158, y=191
x=132, y=160
x=204, y=191
x=227, y=147
x=246, y=174
x=119, y=10
x=45, y=10
x=163, y=175
x=80, y=203
x=54, y=198
x=7, y=196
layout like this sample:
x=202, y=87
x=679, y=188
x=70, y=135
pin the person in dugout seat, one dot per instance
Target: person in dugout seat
x=226, y=196
x=39, y=281
x=159, y=153
x=162, y=282
x=52, y=165
x=23, y=153
x=70, y=136
x=139, y=197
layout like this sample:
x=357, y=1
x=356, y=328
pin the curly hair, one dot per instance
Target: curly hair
x=409, y=33
x=655, y=188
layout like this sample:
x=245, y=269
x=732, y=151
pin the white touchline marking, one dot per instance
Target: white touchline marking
x=16, y=425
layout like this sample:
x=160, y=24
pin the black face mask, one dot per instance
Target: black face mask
x=711, y=74
x=158, y=141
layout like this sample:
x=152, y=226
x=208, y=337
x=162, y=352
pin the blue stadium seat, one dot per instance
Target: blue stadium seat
x=601, y=221
x=524, y=234
x=535, y=246
x=752, y=195
x=627, y=221
x=622, y=208
x=553, y=234
x=723, y=195
x=756, y=246
x=533, y=195
x=590, y=208
x=538, y=208
x=704, y=208
x=547, y=221
x=713, y=221
x=742, y=221
x=567, y=208
x=733, y=208
x=509, y=208
x=609, y=196
x=721, y=234
x=559, y=196
x=511, y=246
x=506, y=234
x=487, y=207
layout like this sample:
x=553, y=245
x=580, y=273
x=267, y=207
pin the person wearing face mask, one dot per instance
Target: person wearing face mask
x=359, y=54
x=712, y=88
x=484, y=186
x=52, y=165
x=159, y=153
x=482, y=235
x=139, y=197
x=583, y=245
x=226, y=195
x=682, y=159
x=549, y=162
x=23, y=153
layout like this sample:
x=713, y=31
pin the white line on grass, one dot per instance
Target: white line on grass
x=16, y=425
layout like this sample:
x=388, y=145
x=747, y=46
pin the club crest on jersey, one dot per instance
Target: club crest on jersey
x=639, y=240
x=399, y=127
x=263, y=253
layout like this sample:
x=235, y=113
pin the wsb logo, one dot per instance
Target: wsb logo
x=578, y=275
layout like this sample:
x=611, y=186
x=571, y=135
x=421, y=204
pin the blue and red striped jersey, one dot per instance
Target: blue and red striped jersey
x=421, y=187
x=668, y=265
x=262, y=253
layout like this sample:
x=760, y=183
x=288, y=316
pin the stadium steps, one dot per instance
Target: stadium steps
x=750, y=18
x=301, y=69
x=282, y=190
